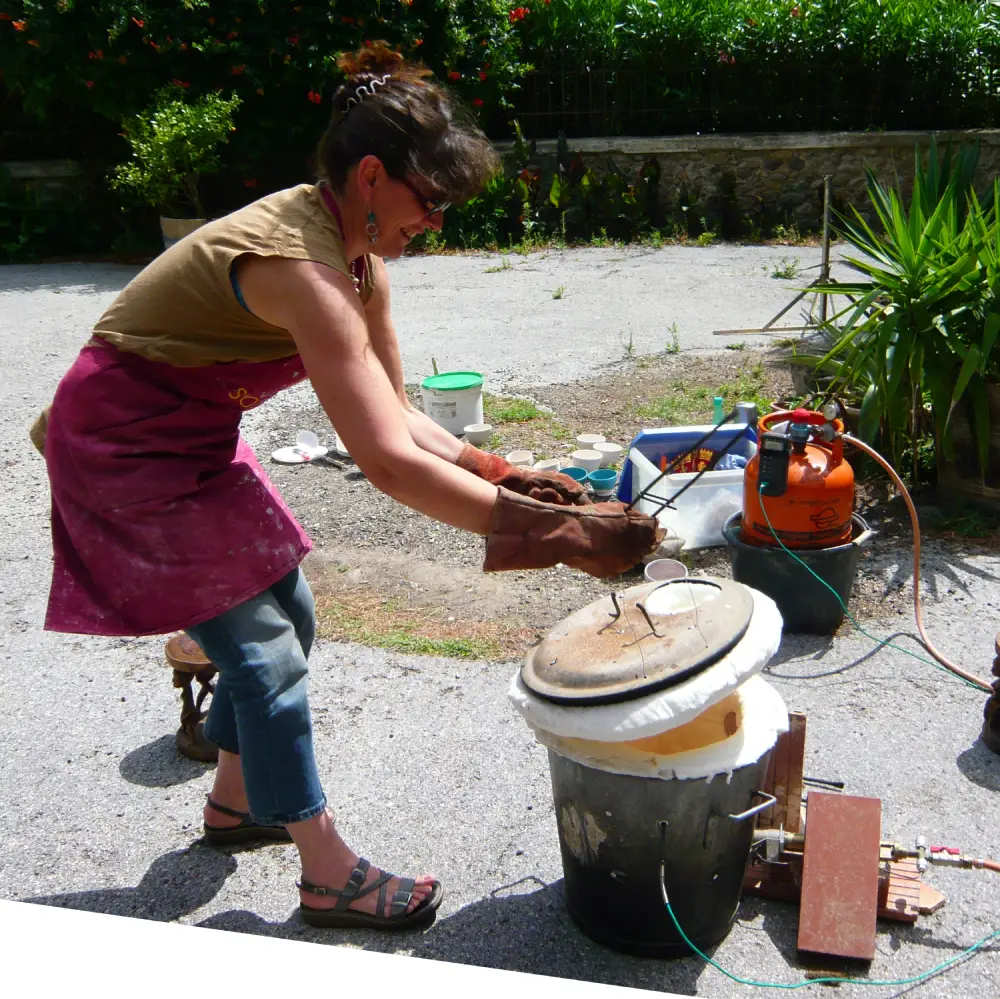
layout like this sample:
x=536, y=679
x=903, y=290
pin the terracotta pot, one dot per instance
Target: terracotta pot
x=176, y=229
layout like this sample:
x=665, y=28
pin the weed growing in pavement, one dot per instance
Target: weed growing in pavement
x=785, y=269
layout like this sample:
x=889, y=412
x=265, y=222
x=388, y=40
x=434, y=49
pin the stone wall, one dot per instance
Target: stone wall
x=743, y=182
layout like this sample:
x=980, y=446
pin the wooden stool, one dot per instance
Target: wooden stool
x=189, y=663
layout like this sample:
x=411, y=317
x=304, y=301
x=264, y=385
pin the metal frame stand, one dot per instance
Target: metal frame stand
x=823, y=279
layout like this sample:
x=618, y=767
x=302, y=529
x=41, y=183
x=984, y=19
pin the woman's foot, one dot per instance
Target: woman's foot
x=228, y=791
x=327, y=861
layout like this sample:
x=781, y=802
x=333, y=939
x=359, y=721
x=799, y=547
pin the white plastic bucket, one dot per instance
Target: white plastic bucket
x=454, y=399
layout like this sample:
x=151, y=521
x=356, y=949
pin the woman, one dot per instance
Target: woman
x=162, y=518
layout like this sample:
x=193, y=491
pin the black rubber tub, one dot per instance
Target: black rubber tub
x=806, y=605
x=613, y=831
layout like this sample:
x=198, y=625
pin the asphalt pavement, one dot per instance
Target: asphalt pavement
x=426, y=763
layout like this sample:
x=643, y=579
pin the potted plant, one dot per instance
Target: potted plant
x=174, y=142
x=917, y=343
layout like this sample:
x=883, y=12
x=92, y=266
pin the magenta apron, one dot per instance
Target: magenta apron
x=162, y=517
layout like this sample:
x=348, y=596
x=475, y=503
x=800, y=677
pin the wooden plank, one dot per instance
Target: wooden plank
x=772, y=817
x=840, y=873
x=796, y=764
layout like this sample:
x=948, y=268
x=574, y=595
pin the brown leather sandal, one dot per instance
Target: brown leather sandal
x=343, y=918
x=246, y=831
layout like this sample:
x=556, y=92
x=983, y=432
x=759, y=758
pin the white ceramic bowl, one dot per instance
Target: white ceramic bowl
x=586, y=458
x=478, y=433
x=610, y=452
x=587, y=441
x=548, y=465
x=662, y=569
x=522, y=459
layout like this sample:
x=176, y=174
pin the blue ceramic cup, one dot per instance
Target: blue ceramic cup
x=602, y=480
x=580, y=474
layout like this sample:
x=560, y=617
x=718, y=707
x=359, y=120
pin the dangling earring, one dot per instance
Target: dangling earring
x=372, y=228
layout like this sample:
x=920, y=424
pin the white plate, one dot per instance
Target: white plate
x=296, y=456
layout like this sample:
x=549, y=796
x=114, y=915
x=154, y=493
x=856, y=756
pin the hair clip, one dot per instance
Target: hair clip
x=366, y=90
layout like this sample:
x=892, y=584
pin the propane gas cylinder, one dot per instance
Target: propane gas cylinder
x=800, y=476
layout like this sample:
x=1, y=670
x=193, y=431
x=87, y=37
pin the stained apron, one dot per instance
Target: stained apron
x=162, y=517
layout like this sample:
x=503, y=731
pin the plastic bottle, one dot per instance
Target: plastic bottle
x=718, y=413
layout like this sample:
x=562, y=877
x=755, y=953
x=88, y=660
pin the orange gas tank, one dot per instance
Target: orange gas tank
x=815, y=508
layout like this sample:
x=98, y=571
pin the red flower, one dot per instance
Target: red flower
x=368, y=43
x=181, y=83
x=138, y=23
x=477, y=102
x=315, y=97
x=19, y=25
x=454, y=75
x=97, y=54
x=153, y=45
x=725, y=59
x=232, y=35
x=237, y=70
x=292, y=40
x=4, y=17
x=519, y=14
x=417, y=42
x=482, y=75
x=250, y=183
x=89, y=83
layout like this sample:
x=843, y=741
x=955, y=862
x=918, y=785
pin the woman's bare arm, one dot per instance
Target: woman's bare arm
x=322, y=311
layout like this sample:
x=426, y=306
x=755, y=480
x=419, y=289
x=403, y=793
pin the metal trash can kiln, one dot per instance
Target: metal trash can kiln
x=659, y=732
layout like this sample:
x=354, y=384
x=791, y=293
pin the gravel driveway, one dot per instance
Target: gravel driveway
x=426, y=763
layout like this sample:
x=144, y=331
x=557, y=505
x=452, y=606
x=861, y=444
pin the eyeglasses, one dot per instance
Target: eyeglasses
x=430, y=207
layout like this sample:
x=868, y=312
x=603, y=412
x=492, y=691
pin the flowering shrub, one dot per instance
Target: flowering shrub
x=80, y=68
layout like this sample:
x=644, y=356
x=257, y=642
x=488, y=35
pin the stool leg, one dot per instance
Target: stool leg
x=190, y=738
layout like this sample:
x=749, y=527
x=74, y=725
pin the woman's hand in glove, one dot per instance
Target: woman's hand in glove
x=602, y=539
x=547, y=487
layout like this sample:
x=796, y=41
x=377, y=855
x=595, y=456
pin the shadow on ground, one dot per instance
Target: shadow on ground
x=175, y=885
x=158, y=764
x=520, y=927
x=980, y=765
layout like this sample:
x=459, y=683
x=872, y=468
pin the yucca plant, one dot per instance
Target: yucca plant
x=918, y=339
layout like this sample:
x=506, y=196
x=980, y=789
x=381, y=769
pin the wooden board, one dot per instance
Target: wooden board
x=784, y=778
x=840, y=876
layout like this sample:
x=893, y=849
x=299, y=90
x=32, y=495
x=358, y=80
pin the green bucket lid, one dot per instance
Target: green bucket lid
x=453, y=381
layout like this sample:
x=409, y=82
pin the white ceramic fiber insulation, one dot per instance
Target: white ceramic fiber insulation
x=765, y=717
x=665, y=709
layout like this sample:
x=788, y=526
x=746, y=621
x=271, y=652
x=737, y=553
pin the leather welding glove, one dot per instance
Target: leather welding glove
x=602, y=539
x=548, y=487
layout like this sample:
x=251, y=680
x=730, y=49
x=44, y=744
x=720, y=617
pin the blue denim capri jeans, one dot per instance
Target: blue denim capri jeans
x=260, y=709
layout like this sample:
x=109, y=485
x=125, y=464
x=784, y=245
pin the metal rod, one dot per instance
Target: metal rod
x=824, y=273
x=652, y=627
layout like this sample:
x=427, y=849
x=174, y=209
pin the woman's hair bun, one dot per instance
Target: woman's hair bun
x=376, y=59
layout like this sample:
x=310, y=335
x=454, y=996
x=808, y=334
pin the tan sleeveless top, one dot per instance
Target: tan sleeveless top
x=182, y=308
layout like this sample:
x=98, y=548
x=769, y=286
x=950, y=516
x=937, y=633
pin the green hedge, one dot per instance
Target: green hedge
x=71, y=71
x=685, y=66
